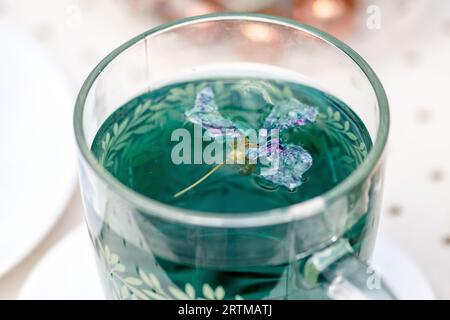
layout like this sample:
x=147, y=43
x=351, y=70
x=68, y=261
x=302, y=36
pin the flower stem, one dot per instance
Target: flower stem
x=192, y=186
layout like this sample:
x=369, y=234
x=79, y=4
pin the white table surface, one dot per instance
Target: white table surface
x=415, y=72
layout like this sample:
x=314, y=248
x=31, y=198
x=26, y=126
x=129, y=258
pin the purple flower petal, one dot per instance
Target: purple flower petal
x=206, y=113
x=293, y=161
x=290, y=113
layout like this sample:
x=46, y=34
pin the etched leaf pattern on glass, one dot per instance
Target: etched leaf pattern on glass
x=146, y=285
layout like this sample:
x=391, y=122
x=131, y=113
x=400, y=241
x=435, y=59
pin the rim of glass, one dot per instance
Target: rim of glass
x=298, y=211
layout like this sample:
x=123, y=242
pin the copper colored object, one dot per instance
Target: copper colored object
x=259, y=42
x=171, y=9
x=337, y=17
x=272, y=7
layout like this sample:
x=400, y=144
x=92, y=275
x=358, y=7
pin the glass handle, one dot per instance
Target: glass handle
x=343, y=276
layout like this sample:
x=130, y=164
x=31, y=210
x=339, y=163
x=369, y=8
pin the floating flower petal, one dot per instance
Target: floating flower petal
x=290, y=113
x=293, y=162
x=206, y=113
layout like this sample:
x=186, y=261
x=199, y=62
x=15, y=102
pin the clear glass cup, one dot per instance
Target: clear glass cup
x=314, y=249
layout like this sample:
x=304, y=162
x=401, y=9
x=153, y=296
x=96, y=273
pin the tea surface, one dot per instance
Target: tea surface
x=134, y=145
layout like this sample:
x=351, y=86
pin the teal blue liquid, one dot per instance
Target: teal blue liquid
x=140, y=154
x=134, y=145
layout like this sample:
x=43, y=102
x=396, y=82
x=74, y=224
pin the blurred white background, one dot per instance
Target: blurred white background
x=409, y=49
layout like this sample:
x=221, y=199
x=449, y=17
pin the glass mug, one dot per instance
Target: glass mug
x=316, y=249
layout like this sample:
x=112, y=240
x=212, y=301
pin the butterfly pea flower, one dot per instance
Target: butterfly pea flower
x=206, y=114
x=290, y=114
x=280, y=163
x=293, y=162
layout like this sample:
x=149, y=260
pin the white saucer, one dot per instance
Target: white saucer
x=69, y=271
x=37, y=162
